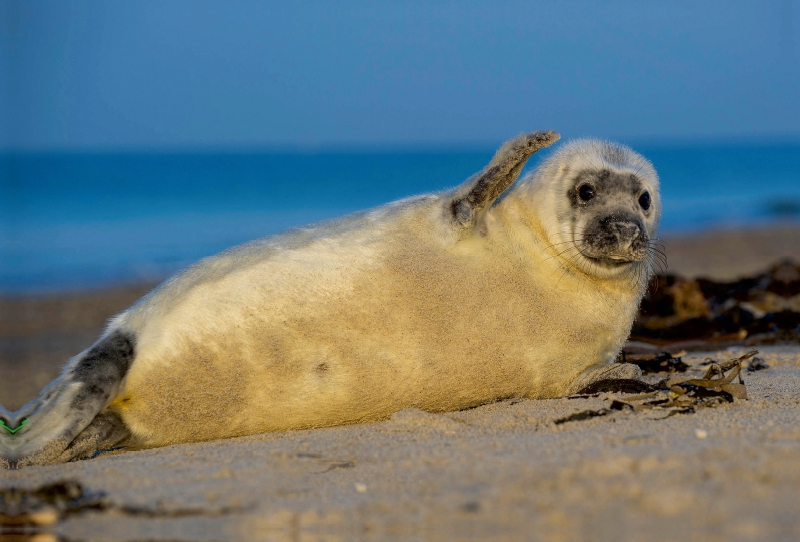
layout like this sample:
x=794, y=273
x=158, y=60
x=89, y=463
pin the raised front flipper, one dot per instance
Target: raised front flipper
x=481, y=190
x=46, y=427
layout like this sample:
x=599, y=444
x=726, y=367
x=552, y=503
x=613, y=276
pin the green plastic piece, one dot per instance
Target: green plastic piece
x=15, y=429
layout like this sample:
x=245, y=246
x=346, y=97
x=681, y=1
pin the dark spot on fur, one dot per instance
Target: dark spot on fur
x=461, y=211
x=322, y=367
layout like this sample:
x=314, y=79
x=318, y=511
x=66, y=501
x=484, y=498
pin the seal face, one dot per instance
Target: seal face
x=607, y=208
x=439, y=302
x=611, y=209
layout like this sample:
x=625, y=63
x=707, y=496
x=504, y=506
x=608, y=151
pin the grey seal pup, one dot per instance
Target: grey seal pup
x=441, y=302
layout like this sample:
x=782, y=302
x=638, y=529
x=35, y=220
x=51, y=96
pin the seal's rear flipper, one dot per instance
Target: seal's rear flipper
x=46, y=427
x=480, y=191
x=107, y=431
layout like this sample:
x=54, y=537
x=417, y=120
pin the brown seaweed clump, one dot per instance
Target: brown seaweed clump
x=759, y=310
x=25, y=509
x=721, y=384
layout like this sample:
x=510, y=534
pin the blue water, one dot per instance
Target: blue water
x=77, y=220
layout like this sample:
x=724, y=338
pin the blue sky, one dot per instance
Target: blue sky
x=168, y=74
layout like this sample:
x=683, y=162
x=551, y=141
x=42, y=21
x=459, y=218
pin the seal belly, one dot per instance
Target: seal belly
x=421, y=329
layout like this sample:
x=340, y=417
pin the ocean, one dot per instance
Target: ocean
x=84, y=220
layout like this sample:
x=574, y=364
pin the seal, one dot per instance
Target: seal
x=441, y=302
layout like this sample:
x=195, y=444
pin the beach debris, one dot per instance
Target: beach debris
x=701, y=313
x=722, y=383
x=583, y=415
x=27, y=511
x=756, y=364
x=45, y=505
x=338, y=465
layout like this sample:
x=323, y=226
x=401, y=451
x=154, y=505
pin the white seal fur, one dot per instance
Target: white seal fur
x=439, y=302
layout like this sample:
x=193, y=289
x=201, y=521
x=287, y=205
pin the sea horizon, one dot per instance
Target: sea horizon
x=78, y=219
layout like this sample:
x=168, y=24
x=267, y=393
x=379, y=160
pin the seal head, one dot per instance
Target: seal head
x=605, y=199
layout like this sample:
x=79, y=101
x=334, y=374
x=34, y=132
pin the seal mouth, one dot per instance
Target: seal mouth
x=613, y=262
x=612, y=259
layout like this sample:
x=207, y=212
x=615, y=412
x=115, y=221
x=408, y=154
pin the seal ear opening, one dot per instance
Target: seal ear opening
x=481, y=190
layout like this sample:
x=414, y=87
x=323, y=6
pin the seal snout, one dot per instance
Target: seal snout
x=631, y=239
x=625, y=229
x=616, y=239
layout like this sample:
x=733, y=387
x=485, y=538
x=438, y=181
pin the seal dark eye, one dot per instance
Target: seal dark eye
x=644, y=200
x=586, y=192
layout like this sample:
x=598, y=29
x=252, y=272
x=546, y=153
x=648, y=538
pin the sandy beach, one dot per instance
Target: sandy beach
x=512, y=470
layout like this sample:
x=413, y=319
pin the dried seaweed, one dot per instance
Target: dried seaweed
x=687, y=394
x=764, y=309
x=27, y=511
x=583, y=415
x=46, y=504
x=722, y=383
x=756, y=364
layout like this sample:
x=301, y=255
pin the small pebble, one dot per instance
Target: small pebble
x=361, y=488
x=700, y=433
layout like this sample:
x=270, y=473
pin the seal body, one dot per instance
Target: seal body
x=439, y=302
x=352, y=322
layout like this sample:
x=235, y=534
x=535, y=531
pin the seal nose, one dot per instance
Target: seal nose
x=625, y=230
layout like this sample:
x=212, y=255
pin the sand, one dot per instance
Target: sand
x=731, y=254
x=503, y=471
